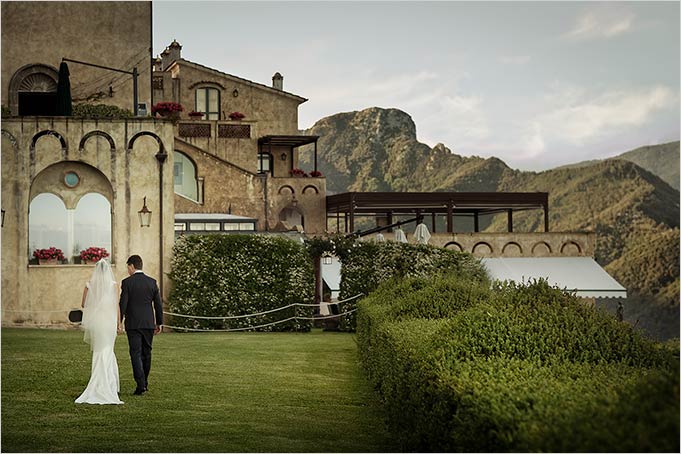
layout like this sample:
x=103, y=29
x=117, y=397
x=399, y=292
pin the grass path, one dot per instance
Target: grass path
x=209, y=392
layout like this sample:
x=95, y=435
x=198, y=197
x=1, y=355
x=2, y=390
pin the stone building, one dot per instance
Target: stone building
x=74, y=183
x=234, y=166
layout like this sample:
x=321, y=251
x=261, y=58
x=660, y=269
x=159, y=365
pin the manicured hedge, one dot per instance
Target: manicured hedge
x=366, y=264
x=464, y=367
x=228, y=275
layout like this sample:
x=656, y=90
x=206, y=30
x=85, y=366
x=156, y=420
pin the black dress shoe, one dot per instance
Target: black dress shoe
x=139, y=391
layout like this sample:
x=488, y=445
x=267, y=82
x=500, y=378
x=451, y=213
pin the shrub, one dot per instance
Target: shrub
x=462, y=367
x=367, y=264
x=230, y=275
x=100, y=111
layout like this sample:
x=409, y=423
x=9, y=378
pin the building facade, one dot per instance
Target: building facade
x=77, y=183
x=239, y=153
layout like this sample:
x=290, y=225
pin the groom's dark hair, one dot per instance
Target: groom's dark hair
x=135, y=261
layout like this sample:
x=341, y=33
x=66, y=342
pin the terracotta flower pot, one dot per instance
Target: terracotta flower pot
x=48, y=262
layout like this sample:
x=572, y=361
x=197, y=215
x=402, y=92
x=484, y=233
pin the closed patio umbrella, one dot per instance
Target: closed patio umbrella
x=400, y=237
x=380, y=238
x=64, y=106
x=421, y=234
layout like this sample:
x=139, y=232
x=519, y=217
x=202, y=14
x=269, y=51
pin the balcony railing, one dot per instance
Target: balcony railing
x=211, y=128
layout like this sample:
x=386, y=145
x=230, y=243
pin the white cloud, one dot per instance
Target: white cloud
x=605, y=22
x=578, y=118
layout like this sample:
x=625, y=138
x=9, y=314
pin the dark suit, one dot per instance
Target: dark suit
x=138, y=293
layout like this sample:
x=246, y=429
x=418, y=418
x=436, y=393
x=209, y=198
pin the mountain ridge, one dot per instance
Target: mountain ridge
x=634, y=212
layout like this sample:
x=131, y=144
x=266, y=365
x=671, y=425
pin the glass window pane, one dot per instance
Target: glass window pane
x=212, y=226
x=246, y=226
x=197, y=226
x=180, y=227
x=201, y=100
x=184, y=175
x=230, y=226
x=92, y=224
x=213, y=98
x=48, y=224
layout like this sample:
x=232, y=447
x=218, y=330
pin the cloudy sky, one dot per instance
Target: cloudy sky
x=537, y=84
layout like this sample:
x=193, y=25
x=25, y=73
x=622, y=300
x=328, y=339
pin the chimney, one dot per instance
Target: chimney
x=170, y=54
x=158, y=64
x=278, y=82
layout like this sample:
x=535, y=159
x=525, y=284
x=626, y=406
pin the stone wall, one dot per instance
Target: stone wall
x=550, y=244
x=115, y=158
x=113, y=34
x=267, y=111
x=228, y=187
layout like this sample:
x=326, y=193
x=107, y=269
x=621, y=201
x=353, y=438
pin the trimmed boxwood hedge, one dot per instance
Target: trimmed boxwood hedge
x=461, y=366
x=228, y=275
x=366, y=264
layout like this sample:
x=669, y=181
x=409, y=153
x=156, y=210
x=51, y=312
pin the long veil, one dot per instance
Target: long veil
x=100, y=314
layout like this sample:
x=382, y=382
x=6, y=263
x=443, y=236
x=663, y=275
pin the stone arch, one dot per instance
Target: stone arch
x=49, y=132
x=131, y=142
x=49, y=180
x=91, y=134
x=34, y=140
x=207, y=83
x=286, y=186
x=512, y=249
x=541, y=249
x=570, y=248
x=311, y=186
x=454, y=245
x=11, y=138
x=291, y=215
x=482, y=248
x=32, y=77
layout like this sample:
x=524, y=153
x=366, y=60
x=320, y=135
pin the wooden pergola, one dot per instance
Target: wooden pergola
x=266, y=143
x=349, y=205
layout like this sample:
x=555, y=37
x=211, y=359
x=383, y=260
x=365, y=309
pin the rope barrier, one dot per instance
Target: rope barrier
x=258, y=326
x=232, y=317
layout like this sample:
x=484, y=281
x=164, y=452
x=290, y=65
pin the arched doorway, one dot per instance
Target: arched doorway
x=33, y=90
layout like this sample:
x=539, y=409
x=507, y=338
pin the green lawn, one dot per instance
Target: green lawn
x=257, y=392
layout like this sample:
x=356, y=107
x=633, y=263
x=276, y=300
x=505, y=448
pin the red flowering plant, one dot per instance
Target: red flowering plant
x=93, y=254
x=167, y=108
x=236, y=116
x=316, y=174
x=194, y=113
x=298, y=173
x=47, y=254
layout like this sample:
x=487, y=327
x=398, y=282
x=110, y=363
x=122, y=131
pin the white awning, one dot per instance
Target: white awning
x=211, y=217
x=331, y=273
x=581, y=275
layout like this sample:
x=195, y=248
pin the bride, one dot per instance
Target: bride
x=101, y=322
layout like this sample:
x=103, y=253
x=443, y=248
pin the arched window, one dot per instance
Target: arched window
x=184, y=174
x=264, y=163
x=33, y=90
x=48, y=224
x=208, y=102
x=51, y=224
x=92, y=223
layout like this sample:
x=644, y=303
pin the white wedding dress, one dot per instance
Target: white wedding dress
x=100, y=322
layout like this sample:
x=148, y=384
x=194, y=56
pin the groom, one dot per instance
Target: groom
x=138, y=293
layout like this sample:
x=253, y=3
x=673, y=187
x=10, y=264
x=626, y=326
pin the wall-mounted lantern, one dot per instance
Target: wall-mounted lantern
x=283, y=156
x=145, y=215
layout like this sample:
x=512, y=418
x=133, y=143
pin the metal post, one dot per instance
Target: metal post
x=476, y=222
x=450, y=213
x=161, y=156
x=546, y=217
x=315, y=155
x=433, y=215
x=510, y=220
x=352, y=212
x=134, y=89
